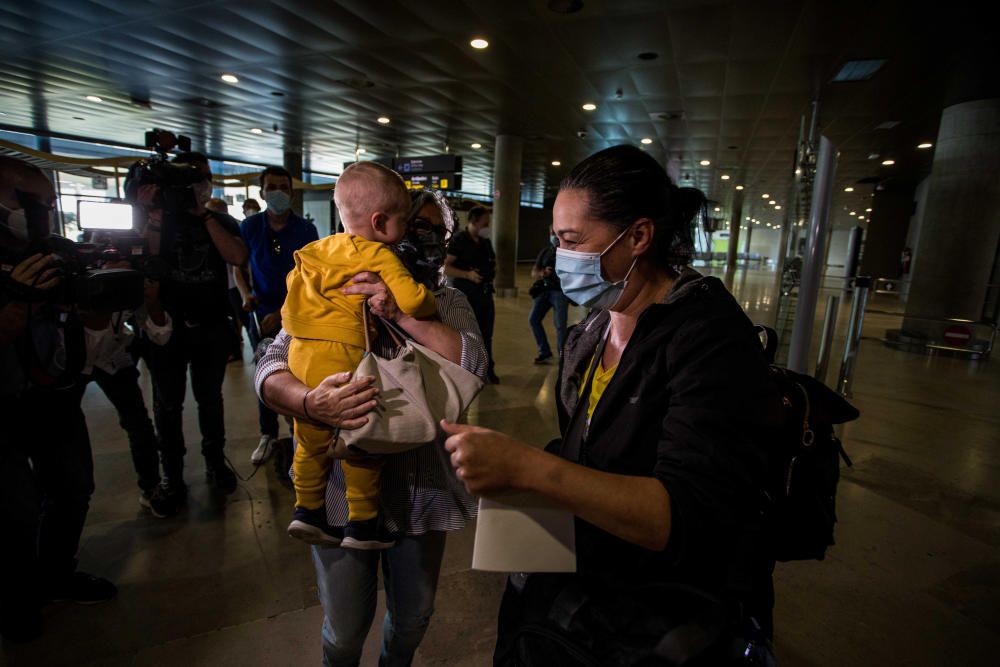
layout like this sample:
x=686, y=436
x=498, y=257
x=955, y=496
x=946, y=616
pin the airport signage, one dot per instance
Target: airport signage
x=442, y=181
x=429, y=164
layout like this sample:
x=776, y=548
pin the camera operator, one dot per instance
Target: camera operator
x=195, y=246
x=46, y=467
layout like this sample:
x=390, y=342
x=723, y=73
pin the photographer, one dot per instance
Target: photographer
x=194, y=245
x=46, y=467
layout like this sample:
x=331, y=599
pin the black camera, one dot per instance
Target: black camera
x=173, y=180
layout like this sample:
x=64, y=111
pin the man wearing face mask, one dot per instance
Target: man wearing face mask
x=547, y=294
x=46, y=467
x=272, y=237
x=194, y=293
x=471, y=266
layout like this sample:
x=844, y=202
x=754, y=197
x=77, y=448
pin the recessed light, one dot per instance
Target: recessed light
x=94, y=98
x=589, y=106
x=926, y=144
x=359, y=151
x=777, y=207
x=230, y=78
x=705, y=163
x=848, y=189
x=646, y=140
x=383, y=120
x=739, y=187
x=476, y=145
x=772, y=202
x=853, y=213
x=868, y=210
x=717, y=209
x=724, y=177
x=556, y=163
x=479, y=43
x=256, y=130
x=797, y=171
x=765, y=196
x=888, y=163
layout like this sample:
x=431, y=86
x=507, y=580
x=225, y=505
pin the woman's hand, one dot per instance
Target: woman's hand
x=380, y=299
x=340, y=402
x=487, y=461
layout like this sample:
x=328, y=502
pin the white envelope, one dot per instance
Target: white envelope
x=523, y=532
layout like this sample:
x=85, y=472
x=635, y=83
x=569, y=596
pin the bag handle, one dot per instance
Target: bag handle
x=398, y=335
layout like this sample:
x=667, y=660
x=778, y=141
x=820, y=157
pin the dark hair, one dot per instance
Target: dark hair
x=624, y=184
x=251, y=200
x=191, y=157
x=477, y=212
x=276, y=171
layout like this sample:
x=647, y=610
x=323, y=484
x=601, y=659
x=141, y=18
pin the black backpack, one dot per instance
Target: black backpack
x=803, y=463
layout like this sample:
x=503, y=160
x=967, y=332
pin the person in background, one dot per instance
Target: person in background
x=471, y=265
x=250, y=207
x=547, y=294
x=421, y=496
x=272, y=237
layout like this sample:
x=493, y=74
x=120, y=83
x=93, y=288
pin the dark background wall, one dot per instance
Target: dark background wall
x=886, y=236
x=532, y=232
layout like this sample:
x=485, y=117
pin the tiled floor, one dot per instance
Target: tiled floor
x=914, y=579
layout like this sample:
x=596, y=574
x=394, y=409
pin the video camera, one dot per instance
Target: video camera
x=173, y=180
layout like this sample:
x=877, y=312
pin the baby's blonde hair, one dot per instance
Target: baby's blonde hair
x=366, y=188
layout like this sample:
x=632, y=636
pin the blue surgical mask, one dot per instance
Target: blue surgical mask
x=278, y=201
x=582, y=280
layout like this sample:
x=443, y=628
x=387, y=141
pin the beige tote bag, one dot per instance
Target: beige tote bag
x=417, y=388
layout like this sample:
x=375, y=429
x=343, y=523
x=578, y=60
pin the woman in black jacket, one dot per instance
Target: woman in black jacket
x=661, y=399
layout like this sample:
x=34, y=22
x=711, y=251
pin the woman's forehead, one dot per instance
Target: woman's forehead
x=432, y=214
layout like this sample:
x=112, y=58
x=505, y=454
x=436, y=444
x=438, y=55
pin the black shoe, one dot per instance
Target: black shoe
x=542, y=358
x=220, y=477
x=311, y=527
x=83, y=588
x=162, y=501
x=366, y=535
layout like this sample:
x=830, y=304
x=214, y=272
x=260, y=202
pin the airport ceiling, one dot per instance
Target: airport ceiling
x=723, y=81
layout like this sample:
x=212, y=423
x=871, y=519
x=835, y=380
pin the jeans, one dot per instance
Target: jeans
x=46, y=481
x=205, y=348
x=481, y=300
x=122, y=389
x=550, y=299
x=348, y=588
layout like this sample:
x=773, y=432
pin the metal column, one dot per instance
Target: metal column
x=812, y=265
x=853, y=339
x=736, y=217
x=506, y=209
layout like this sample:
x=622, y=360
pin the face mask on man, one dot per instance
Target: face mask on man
x=202, y=191
x=582, y=280
x=278, y=201
x=32, y=221
x=484, y=232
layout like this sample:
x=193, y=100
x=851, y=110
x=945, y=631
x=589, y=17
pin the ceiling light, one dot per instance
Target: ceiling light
x=94, y=98
x=888, y=163
x=479, y=43
x=717, y=209
x=256, y=130
x=853, y=213
x=556, y=163
x=230, y=78
x=646, y=140
x=383, y=120
x=765, y=196
x=772, y=202
x=848, y=189
x=705, y=163
x=589, y=106
x=359, y=151
x=777, y=207
x=868, y=210
x=797, y=171
x=477, y=145
x=926, y=144
x=724, y=177
x=739, y=187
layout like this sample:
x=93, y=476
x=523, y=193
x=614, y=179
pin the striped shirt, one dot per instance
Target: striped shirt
x=419, y=490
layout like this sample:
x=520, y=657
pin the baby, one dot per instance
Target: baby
x=328, y=337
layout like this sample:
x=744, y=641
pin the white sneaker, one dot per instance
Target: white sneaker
x=264, y=449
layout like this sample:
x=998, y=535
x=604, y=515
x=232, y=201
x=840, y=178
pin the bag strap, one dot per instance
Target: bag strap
x=399, y=337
